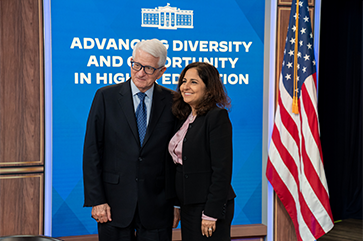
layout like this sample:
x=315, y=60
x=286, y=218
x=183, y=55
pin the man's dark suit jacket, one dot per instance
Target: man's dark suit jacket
x=117, y=170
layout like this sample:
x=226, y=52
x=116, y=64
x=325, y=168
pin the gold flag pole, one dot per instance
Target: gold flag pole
x=295, y=105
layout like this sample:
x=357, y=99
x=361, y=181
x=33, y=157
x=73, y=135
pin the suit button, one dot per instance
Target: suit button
x=136, y=179
x=185, y=139
x=140, y=159
x=184, y=158
x=186, y=176
x=190, y=126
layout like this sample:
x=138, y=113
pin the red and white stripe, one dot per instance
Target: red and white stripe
x=295, y=163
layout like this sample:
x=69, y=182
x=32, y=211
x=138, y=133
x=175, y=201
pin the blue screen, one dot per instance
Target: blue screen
x=92, y=42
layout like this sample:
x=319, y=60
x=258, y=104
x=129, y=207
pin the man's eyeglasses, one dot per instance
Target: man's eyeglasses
x=147, y=69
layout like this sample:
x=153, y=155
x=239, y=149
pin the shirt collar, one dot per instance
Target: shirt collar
x=135, y=90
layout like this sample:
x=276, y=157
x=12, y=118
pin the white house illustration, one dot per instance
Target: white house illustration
x=166, y=17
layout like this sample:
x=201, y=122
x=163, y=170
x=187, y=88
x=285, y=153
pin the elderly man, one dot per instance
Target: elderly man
x=125, y=153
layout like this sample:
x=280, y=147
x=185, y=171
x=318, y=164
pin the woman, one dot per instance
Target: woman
x=202, y=151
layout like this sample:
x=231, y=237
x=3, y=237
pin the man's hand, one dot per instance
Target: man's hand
x=208, y=227
x=176, y=217
x=101, y=213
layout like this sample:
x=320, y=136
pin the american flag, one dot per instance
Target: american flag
x=295, y=163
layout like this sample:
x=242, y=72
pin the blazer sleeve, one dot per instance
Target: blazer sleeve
x=93, y=152
x=220, y=149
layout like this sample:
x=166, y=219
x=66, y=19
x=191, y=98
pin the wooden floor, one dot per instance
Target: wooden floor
x=346, y=230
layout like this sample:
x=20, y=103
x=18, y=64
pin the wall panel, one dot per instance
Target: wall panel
x=21, y=117
x=21, y=83
x=21, y=204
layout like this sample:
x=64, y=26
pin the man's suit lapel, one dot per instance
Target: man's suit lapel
x=127, y=106
x=157, y=109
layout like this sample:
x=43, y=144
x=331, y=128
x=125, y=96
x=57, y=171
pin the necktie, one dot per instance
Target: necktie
x=141, y=116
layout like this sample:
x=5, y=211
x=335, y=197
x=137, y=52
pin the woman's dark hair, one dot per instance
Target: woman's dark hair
x=215, y=95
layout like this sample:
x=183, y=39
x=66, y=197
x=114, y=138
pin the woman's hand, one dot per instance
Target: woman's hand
x=208, y=227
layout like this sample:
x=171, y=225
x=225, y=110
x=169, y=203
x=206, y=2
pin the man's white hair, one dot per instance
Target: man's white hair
x=154, y=47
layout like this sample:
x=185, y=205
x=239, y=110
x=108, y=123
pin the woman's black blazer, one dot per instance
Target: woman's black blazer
x=207, y=162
